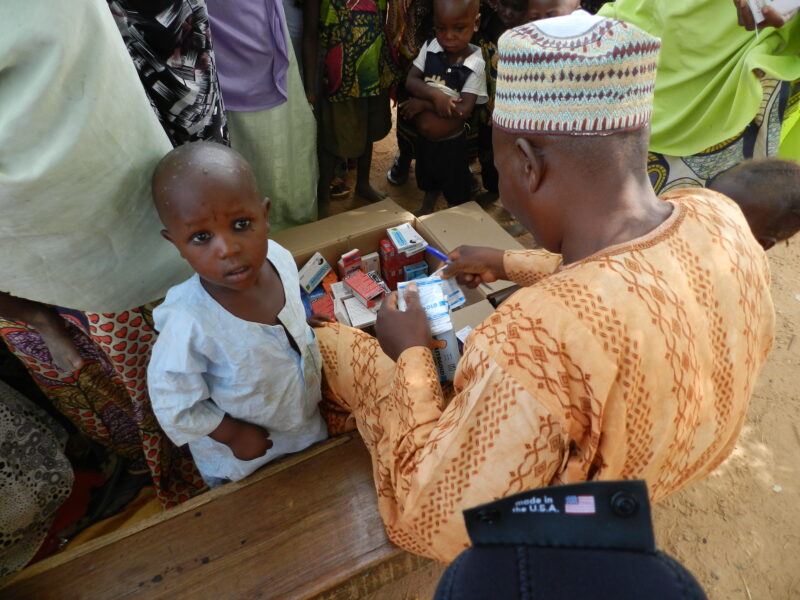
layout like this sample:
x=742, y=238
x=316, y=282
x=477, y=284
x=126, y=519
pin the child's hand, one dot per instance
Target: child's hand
x=250, y=441
x=319, y=320
x=445, y=105
x=410, y=108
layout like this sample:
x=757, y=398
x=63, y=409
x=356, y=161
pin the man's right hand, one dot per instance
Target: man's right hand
x=473, y=265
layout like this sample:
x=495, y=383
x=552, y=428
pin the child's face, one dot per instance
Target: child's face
x=454, y=26
x=512, y=13
x=547, y=9
x=221, y=229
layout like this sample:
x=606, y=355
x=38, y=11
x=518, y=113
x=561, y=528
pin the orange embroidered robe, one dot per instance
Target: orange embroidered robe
x=636, y=362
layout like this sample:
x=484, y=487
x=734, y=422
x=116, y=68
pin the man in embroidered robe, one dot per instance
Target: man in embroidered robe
x=631, y=350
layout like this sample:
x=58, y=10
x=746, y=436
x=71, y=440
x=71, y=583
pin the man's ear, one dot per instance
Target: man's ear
x=165, y=234
x=532, y=161
x=477, y=22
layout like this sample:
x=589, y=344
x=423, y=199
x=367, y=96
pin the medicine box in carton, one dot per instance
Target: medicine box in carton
x=364, y=228
x=313, y=272
x=323, y=305
x=367, y=290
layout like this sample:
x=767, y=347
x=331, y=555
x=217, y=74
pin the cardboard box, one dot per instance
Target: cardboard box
x=365, y=227
x=469, y=224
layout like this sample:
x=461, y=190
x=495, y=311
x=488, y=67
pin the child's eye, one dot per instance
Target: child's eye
x=200, y=238
x=241, y=224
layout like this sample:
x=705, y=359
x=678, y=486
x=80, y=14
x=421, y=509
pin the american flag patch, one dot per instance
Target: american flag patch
x=579, y=505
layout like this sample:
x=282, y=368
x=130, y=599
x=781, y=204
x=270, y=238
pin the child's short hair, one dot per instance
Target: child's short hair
x=768, y=192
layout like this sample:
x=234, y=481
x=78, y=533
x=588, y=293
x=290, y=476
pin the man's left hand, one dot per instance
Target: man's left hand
x=399, y=330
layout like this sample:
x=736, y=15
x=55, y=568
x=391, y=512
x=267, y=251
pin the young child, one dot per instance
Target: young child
x=235, y=372
x=768, y=192
x=511, y=13
x=446, y=81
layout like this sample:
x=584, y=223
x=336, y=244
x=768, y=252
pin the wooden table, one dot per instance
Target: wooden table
x=306, y=527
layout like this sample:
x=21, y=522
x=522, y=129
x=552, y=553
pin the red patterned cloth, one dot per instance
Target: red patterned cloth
x=107, y=398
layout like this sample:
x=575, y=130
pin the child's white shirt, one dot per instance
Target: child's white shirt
x=475, y=83
x=250, y=370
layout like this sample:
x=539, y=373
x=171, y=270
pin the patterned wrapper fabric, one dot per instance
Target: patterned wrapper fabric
x=357, y=61
x=107, y=398
x=637, y=362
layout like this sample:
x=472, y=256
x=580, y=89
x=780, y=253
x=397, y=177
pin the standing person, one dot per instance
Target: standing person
x=510, y=13
x=446, y=81
x=721, y=92
x=82, y=147
x=270, y=120
x=408, y=26
x=631, y=350
x=354, y=108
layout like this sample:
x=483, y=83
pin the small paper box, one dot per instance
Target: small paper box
x=377, y=279
x=364, y=289
x=340, y=290
x=323, y=305
x=415, y=271
x=349, y=263
x=360, y=316
x=313, y=272
x=406, y=239
x=370, y=262
x=340, y=312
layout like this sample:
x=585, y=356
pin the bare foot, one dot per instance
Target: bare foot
x=369, y=193
x=65, y=355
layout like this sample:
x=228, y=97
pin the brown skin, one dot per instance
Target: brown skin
x=576, y=195
x=772, y=18
x=435, y=114
x=46, y=321
x=207, y=198
x=398, y=330
x=547, y=9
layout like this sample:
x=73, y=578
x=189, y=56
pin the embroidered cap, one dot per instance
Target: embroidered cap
x=575, y=75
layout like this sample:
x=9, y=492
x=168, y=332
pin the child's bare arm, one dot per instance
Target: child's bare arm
x=246, y=440
x=467, y=105
x=444, y=105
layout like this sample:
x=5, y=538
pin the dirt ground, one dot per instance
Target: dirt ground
x=738, y=529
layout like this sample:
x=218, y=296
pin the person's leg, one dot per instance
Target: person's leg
x=363, y=186
x=452, y=163
x=327, y=166
x=428, y=203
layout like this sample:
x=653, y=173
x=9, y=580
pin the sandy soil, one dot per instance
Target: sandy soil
x=738, y=529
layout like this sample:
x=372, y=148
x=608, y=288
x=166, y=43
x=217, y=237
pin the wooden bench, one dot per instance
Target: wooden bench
x=306, y=527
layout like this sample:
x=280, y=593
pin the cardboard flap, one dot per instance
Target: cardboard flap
x=468, y=223
x=360, y=228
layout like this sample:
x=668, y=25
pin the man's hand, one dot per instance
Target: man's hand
x=319, y=320
x=473, y=265
x=772, y=18
x=399, y=330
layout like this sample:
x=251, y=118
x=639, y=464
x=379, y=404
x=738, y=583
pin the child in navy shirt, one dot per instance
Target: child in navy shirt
x=446, y=81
